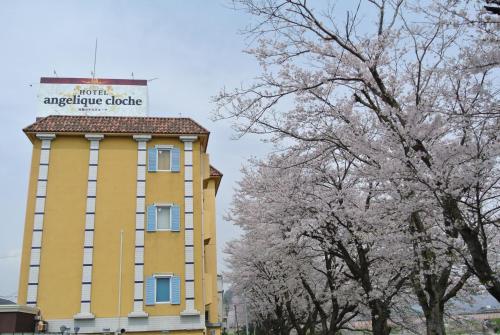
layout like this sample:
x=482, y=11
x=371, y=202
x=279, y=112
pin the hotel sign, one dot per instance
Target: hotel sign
x=93, y=97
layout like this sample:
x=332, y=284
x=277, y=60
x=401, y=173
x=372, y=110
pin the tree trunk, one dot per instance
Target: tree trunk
x=481, y=267
x=478, y=251
x=380, y=318
x=434, y=319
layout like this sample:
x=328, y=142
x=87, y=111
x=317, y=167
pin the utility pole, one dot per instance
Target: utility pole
x=120, y=282
x=236, y=318
x=246, y=315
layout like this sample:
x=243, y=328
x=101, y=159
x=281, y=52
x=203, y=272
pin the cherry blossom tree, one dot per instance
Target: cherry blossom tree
x=305, y=286
x=352, y=238
x=401, y=89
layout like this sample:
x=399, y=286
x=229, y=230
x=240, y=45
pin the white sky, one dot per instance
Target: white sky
x=193, y=47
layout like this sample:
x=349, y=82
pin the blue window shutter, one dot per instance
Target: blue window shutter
x=175, y=156
x=150, y=290
x=151, y=225
x=175, y=213
x=152, y=159
x=176, y=290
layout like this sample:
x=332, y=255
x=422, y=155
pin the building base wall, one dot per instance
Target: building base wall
x=151, y=325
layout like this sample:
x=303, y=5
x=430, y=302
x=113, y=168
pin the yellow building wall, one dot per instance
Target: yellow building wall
x=164, y=252
x=63, y=227
x=28, y=224
x=114, y=211
x=62, y=254
x=210, y=252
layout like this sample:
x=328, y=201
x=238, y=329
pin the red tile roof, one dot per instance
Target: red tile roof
x=115, y=124
x=214, y=172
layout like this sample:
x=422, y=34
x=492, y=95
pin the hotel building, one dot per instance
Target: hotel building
x=120, y=230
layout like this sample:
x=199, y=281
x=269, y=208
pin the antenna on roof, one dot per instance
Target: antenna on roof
x=132, y=75
x=95, y=59
x=55, y=73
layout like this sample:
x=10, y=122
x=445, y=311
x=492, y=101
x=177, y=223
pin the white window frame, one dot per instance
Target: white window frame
x=167, y=275
x=163, y=148
x=169, y=218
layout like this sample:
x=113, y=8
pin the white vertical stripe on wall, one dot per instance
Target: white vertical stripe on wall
x=140, y=204
x=188, y=188
x=91, y=188
x=87, y=261
x=141, y=188
x=39, y=205
x=138, y=287
x=89, y=238
x=189, y=254
x=188, y=235
x=43, y=171
x=89, y=221
x=190, y=305
x=94, y=156
x=90, y=205
x=188, y=224
x=141, y=157
x=139, y=221
x=35, y=257
x=46, y=138
x=44, y=156
x=85, y=307
x=188, y=173
x=37, y=239
x=87, y=274
x=139, y=255
x=87, y=255
x=94, y=144
x=188, y=145
x=189, y=220
x=189, y=271
x=138, y=306
x=33, y=274
x=190, y=289
x=86, y=291
x=188, y=157
x=32, y=291
x=141, y=173
x=139, y=238
x=139, y=273
x=41, y=188
x=188, y=204
x=38, y=221
x=92, y=172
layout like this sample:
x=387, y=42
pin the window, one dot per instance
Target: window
x=164, y=160
x=162, y=289
x=163, y=218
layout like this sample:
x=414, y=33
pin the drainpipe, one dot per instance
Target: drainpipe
x=203, y=237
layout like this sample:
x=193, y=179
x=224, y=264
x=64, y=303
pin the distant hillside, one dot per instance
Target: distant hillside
x=478, y=303
x=6, y=302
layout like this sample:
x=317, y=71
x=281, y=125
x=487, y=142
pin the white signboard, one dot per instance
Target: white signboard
x=93, y=97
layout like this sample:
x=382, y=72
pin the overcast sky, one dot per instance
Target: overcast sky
x=193, y=47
